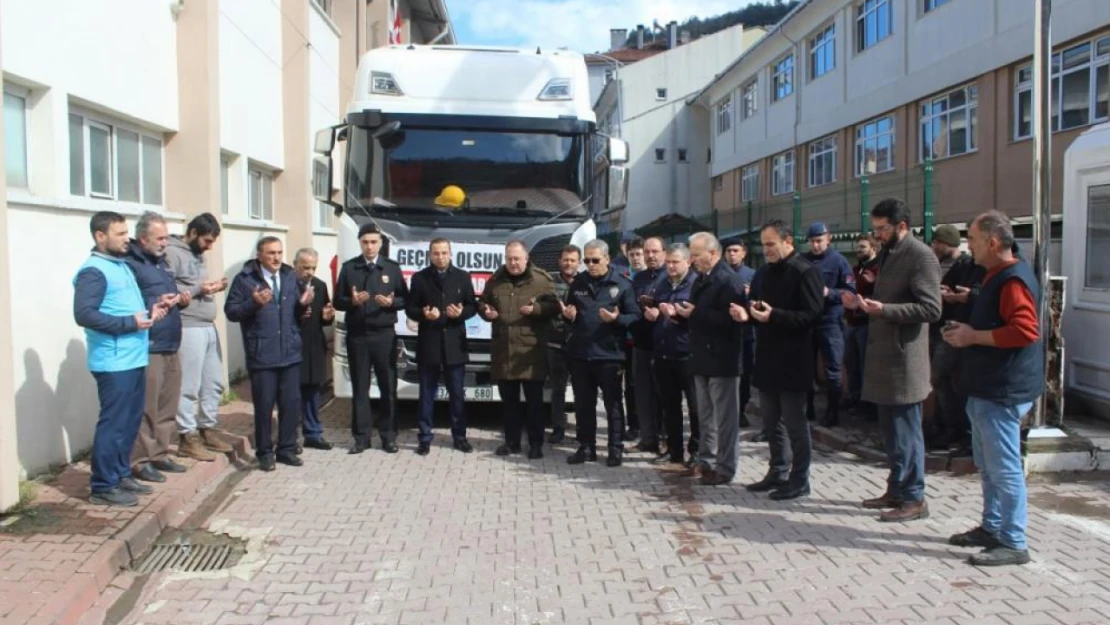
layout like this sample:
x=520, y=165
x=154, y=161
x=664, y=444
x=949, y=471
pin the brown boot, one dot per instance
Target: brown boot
x=191, y=446
x=908, y=511
x=212, y=441
x=879, y=503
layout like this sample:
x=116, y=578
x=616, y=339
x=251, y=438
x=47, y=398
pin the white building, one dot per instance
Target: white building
x=176, y=107
x=669, y=157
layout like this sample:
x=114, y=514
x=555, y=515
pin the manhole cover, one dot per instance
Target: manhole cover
x=191, y=552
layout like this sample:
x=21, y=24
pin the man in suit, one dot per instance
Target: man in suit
x=268, y=302
x=370, y=290
x=314, y=347
x=896, y=371
x=441, y=300
x=735, y=253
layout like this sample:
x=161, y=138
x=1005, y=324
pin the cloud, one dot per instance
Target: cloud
x=581, y=25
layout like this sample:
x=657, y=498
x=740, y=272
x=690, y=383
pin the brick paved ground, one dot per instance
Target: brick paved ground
x=484, y=540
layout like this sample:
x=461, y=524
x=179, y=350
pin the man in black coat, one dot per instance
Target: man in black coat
x=787, y=303
x=441, y=300
x=267, y=301
x=314, y=347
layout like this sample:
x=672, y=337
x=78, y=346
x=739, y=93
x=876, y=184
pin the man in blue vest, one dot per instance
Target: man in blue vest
x=108, y=304
x=1003, y=373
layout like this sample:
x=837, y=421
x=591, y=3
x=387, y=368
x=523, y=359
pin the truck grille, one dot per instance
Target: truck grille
x=546, y=253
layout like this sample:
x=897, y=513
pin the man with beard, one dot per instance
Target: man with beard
x=829, y=337
x=108, y=304
x=787, y=304
x=866, y=272
x=558, y=359
x=896, y=378
x=202, y=373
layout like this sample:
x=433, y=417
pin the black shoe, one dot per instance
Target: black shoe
x=648, y=447
x=766, y=484
x=831, y=420
x=615, y=456
x=358, y=448
x=266, y=463
x=665, y=459
x=298, y=450
x=632, y=434
x=507, y=449
x=168, y=466
x=293, y=461
x=115, y=497
x=977, y=537
x=423, y=448
x=390, y=447
x=790, y=492
x=463, y=445
x=557, y=436
x=317, y=443
x=130, y=485
x=1000, y=556
x=535, y=452
x=584, y=453
x=147, y=473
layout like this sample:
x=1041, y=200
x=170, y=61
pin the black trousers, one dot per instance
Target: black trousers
x=673, y=380
x=747, y=367
x=283, y=387
x=558, y=366
x=376, y=351
x=588, y=376
x=790, y=443
x=532, y=414
x=631, y=409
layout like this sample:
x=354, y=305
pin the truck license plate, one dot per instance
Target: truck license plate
x=470, y=393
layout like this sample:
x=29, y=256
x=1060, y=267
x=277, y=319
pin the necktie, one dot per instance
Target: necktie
x=277, y=289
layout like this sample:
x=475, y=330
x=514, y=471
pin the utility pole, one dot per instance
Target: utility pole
x=1042, y=183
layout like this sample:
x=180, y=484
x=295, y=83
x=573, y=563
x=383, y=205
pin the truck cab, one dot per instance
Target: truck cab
x=475, y=145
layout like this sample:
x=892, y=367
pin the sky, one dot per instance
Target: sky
x=581, y=25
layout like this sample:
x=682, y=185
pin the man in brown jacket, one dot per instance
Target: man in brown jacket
x=896, y=374
x=519, y=300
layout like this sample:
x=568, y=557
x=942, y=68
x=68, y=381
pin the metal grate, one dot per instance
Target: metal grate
x=187, y=558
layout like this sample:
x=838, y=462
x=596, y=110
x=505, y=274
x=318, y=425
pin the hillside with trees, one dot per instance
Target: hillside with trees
x=754, y=14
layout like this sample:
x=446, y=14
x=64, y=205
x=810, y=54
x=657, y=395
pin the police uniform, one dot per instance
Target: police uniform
x=829, y=338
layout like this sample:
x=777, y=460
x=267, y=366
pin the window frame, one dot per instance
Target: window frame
x=825, y=38
x=970, y=107
x=683, y=155
x=225, y=184
x=1094, y=65
x=724, y=115
x=718, y=183
x=660, y=155
x=928, y=6
x=266, y=189
x=1092, y=189
x=113, y=128
x=862, y=14
x=863, y=140
x=823, y=150
x=749, y=99
x=782, y=78
x=325, y=6
x=788, y=164
x=24, y=95
x=749, y=193
x=660, y=94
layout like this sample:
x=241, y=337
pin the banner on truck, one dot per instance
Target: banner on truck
x=480, y=259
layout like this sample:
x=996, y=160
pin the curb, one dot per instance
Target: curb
x=70, y=603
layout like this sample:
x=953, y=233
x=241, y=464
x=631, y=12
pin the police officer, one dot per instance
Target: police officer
x=735, y=253
x=646, y=395
x=601, y=306
x=370, y=290
x=829, y=338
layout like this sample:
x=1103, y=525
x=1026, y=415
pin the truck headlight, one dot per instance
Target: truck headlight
x=557, y=89
x=382, y=83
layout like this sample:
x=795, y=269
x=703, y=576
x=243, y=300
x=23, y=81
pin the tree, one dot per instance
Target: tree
x=755, y=14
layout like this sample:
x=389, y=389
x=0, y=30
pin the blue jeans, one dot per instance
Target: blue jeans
x=454, y=376
x=996, y=448
x=310, y=411
x=905, y=451
x=122, y=397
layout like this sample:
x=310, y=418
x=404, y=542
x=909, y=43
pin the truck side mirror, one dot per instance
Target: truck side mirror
x=325, y=141
x=322, y=187
x=618, y=187
x=618, y=151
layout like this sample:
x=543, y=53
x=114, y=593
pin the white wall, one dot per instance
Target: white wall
x=325, y=110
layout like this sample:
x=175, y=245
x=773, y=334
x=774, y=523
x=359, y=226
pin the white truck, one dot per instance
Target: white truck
x=512, y=130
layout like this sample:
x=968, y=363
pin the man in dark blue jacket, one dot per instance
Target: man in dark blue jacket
x=646, y=395
x=600, y=307
x=671, y=353
x=147, y=259
x=735, y=253
x=267, y=301
x=829, y=338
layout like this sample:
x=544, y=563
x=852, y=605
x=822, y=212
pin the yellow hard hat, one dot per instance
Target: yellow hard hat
x=451, y=197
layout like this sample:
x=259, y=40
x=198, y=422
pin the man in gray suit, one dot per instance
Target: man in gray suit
x=896, y=375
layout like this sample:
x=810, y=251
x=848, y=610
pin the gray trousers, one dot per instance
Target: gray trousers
x=647, y=397
x=788, y=430
x=202, y=379
x=719, y=413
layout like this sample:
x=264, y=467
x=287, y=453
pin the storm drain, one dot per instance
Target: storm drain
x=191, y=553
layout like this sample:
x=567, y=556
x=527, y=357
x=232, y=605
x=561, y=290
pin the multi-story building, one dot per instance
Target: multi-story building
x=175, y=107
x=847, y=101
x=646, y=106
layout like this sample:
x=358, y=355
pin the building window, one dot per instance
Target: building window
x=323, y=216
x=932, y=4
x=260, y=195
x=782, y=173
x=822, y=161
x=324, y=5
x=113, y=162
x=724, y=115
x=1084, y=72
x=747, y=99
x=682, y=155
x=15, y=138
x=875, y=146
x=948, y=123
x=225, y=176
x=718, y=183
x=1098, y=238
x=782, y=80
x=749, y=183
x=874, y=23
x=660, y=155
x=660, y=94
x=822, y=53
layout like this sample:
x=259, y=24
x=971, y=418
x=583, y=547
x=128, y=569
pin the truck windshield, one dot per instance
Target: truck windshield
x=500, y=173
